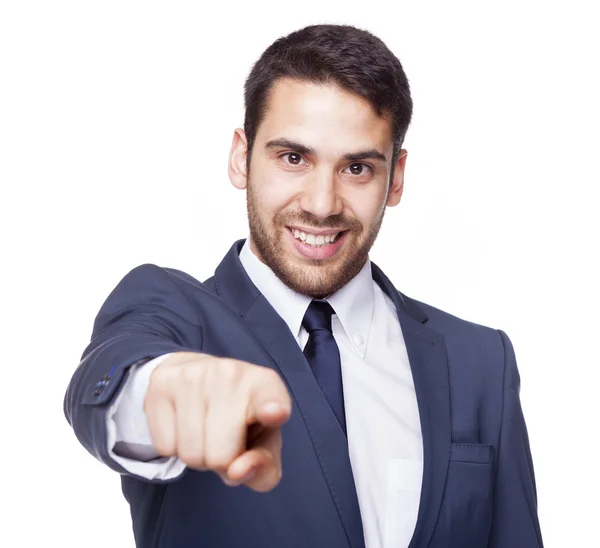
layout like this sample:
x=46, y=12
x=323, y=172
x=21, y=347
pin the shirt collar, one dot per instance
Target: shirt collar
x=353, y=303
x=289, y=304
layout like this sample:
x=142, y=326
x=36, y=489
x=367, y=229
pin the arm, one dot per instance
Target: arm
x=515, y=522
x=146, y=315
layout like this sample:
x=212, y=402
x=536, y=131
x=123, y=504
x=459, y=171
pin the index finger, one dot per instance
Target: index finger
x=269, y=401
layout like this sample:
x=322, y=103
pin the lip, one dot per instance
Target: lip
x=308, y=251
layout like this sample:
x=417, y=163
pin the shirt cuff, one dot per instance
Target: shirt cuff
x=128, y=435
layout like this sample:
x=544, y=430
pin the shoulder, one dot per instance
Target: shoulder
x=151, y=277
x=462, y=336
x=149, y=272
x=477, y=357
x=149, y=287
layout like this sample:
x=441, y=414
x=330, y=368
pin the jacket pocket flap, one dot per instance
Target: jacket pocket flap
x=476, y=453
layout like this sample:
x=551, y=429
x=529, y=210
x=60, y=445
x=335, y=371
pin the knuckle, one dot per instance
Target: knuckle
x=163, y=448
x=191, y=373
x=222, y=372
x=220, y=453
x=227, y=371
x=159, y=378
x=194, y=459
x=191, y=451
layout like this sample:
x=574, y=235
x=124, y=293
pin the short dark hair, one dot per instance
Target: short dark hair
x=352, y=58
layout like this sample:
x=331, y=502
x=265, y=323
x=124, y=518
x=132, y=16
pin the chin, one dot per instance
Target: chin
x=315, y=281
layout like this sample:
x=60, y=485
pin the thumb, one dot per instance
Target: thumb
x=260, y=466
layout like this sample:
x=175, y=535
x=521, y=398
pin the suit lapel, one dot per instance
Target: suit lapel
x=429, y=365
x=330, y=444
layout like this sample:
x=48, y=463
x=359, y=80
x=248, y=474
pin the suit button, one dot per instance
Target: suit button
x=100, y=385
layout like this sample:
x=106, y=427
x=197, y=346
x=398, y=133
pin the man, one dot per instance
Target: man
x=296, y=398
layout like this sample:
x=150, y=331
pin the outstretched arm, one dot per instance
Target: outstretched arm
x=146, y=315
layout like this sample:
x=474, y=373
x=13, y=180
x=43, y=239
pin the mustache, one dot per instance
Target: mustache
x=308, y=220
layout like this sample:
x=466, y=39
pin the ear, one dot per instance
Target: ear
x=237, y=159
x=397, y=186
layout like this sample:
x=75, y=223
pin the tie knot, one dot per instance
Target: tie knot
x=318, y=316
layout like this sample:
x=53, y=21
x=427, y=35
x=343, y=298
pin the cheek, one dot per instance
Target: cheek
x=274, y=195
x=273, y=201
x=266, y=188
x=367, y=209
x=270, y=207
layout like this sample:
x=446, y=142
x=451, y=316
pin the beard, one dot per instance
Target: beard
x=317, y=278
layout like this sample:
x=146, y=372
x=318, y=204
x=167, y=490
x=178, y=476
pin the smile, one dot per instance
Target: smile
x=316, y=240
x=318, y=244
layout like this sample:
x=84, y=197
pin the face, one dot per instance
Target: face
x=318, y=184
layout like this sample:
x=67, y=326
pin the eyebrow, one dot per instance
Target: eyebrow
x=372, y=154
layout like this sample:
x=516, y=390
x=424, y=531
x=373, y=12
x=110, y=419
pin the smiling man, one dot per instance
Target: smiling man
x=296, y=398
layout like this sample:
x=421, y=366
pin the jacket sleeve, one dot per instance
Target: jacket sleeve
x=515, y=521
x=145, y=316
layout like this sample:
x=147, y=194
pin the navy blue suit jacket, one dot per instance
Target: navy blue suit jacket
x=478, y=486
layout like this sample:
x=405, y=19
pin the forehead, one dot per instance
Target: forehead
x=323, y=116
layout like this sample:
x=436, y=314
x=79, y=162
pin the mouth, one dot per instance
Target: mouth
x=317, y=244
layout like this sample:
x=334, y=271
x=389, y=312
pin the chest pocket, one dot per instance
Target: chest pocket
x=466, y=512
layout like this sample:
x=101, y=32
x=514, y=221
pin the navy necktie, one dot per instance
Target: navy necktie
x=323, y=355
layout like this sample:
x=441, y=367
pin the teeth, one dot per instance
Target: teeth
x=312, y=239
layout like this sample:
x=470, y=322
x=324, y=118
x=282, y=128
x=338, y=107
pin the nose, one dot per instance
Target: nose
x=320, y=195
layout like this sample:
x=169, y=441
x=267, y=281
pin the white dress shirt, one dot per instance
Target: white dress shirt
x=382, y=417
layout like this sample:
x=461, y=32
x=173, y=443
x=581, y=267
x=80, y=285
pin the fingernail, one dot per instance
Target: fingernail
x=273, y=407
x=249, y=475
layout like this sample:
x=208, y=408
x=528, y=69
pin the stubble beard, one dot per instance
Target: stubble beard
x=321, y=277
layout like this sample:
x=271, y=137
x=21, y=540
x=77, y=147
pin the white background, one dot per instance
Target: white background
x=115, y=125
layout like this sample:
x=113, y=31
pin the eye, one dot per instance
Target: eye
x=359, y=169
x=293, y=158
